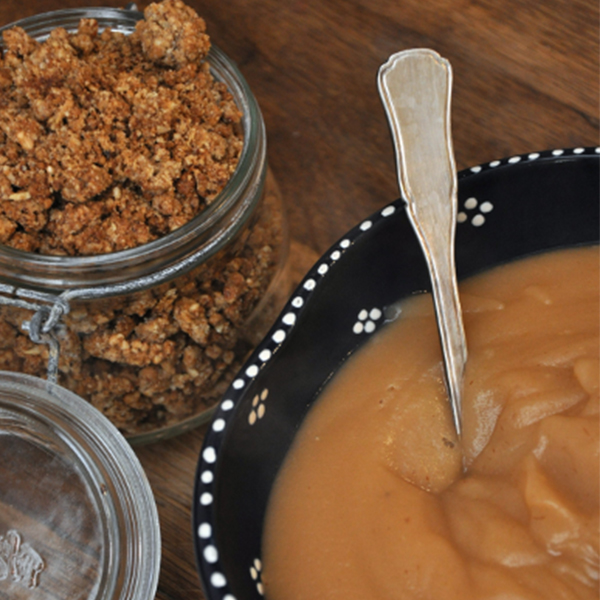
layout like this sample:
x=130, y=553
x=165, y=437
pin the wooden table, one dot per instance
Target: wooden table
x=525, y=78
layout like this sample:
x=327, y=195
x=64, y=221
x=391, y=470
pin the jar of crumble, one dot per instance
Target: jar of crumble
x=143, y=241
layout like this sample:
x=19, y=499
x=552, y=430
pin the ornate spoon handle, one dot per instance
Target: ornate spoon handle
x=415, y=88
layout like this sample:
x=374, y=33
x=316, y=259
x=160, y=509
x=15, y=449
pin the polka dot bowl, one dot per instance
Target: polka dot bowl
x=507, y=209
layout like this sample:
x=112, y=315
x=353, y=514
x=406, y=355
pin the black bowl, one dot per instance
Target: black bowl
x=507, y=209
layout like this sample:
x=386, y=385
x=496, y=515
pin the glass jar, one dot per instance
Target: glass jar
x=153, y=335
x=77, y=515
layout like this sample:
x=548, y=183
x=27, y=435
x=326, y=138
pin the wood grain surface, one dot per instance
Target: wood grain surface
x=525, y=79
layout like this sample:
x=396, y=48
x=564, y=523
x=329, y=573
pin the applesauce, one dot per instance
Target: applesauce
x=377, y=498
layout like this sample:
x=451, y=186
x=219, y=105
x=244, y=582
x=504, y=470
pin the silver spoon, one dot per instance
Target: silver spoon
x=415, y=88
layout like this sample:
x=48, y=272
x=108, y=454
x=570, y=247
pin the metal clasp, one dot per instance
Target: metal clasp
x=48, y=309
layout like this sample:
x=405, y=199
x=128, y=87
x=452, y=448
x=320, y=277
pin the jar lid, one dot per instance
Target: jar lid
x=77, y=515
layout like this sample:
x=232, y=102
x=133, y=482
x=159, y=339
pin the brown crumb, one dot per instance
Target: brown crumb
x=108, y=142
x=173, y=34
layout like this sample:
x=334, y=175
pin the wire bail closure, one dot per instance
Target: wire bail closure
x=48, y=309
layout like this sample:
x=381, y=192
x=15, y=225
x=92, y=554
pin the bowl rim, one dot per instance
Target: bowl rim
x=209, y=566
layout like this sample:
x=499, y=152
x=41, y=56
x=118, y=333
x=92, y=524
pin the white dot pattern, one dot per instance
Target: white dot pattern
x=218, y=580
x=265, y=355
x=486, y=207
x=471, y=204
x=211, y=555
x=206, y=477
x=252, y=371
x=366, y=320
x=204, y=531
x=289, y=319
x=258, y=408
x=218, y=425
x=209, y=454
x=255, y=572
x=279, y=336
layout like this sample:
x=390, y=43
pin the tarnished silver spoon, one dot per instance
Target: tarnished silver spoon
x=415, y=88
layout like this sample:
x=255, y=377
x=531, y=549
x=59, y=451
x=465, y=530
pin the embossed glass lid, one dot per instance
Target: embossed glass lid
x=77, y=516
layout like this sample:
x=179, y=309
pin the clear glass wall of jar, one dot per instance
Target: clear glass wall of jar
x=153, y=335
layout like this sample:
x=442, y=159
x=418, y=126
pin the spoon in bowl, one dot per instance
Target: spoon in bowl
x=415, y=88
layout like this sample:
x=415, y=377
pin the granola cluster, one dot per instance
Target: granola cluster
x=156, y=357
x=107, y=142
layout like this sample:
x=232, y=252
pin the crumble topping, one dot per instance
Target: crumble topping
x=109, y=141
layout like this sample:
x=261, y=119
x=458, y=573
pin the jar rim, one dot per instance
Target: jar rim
x=196, y=240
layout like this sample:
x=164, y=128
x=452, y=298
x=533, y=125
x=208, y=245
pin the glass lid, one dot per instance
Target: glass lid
x=77, y=516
